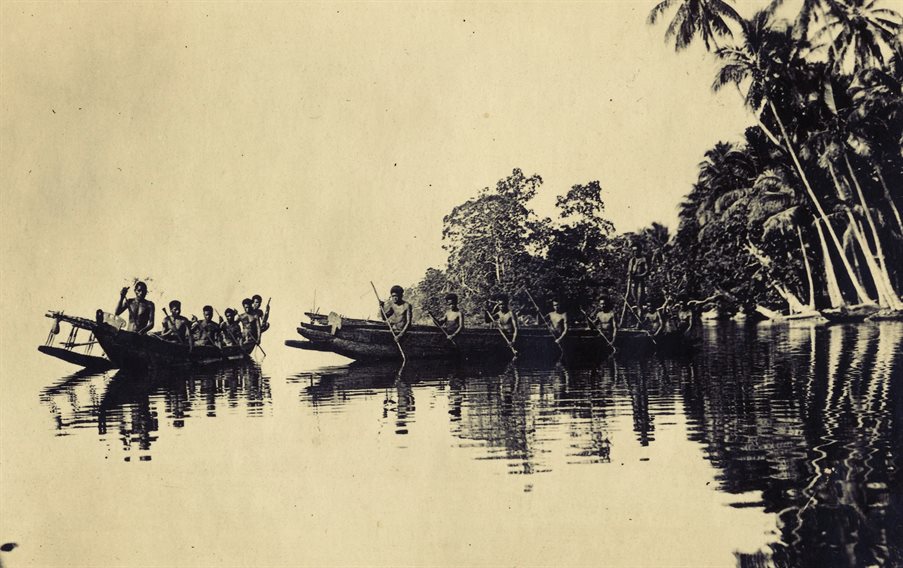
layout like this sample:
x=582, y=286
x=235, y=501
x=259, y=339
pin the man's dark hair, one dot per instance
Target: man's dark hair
x=257, y=297
x=246, y=302
x=451, y=297
x=208, y=309
x=140, y=284
x=396, y=290
x=175, y=304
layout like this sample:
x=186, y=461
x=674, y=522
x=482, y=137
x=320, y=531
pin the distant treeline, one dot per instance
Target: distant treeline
x=801, y=213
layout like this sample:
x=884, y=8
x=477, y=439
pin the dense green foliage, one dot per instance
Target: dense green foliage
x=800, y=213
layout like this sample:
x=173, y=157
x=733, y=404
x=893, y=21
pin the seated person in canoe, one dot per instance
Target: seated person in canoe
x=141, y=310
x=250, y=323
x=652, y=321
x=606, y=320
x=231, y=329
x=206, y=331
x=558, y=319
x=397, y=312
x=176, y=327
x=262, y=316
x=453, y=319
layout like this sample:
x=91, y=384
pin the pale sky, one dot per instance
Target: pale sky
x=226, y=149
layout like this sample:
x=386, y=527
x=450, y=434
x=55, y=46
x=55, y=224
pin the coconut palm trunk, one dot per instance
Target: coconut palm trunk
x=861, y=294
x=834, y=294
x=811, y=304
x=886, y=294
x=892, y=297
x=889, y=198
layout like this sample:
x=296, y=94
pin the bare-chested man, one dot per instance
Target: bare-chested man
x=231, y=329
x=250, y=323
x=176, y=327
x=206, y=331
x=453, y=320
x=558, y=319
x=606, y=320
x=505, y=317
x=398, y=311
x=262, y=316
x=653, y=319
x=141, y=310
x=638, y=269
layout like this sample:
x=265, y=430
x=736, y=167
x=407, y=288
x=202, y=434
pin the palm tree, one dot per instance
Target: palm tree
x=704, y=18
x=771, y=202
x=766, y=62
x=876, y=124
x=832, y=145
x=859, y=34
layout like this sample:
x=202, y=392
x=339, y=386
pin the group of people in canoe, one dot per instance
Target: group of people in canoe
x=669, y=317
x=235, y=329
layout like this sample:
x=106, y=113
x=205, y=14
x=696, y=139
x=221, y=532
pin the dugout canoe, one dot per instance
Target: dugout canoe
x=130, y=350
x=370, y=340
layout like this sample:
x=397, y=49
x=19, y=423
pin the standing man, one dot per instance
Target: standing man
x=638, y=269
x=398, y=312
x=453, y=320
x=558, y=319
x=141, y=310
x=505, y=317
x=606, y=320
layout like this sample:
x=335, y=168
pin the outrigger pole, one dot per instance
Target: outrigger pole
x=386, y=318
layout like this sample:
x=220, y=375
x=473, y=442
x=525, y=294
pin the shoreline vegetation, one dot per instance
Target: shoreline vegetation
x=800, y=216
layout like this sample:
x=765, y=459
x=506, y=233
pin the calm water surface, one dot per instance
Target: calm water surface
x=770, y=446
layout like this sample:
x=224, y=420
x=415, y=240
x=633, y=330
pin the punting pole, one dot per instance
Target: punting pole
x=386, y=318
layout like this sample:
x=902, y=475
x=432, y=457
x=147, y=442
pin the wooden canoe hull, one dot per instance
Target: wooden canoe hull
x=82, y=360
x=363, y=340
x=131, y=350
x=369, y=342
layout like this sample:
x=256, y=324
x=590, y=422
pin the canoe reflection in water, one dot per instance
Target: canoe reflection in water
x=131, y=406
x=802, y=421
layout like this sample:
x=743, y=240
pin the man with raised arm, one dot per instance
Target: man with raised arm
x=141, y=310
x=398, y=311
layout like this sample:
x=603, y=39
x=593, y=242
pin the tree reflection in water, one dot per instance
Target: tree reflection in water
x=130, y=404
x=808, y=417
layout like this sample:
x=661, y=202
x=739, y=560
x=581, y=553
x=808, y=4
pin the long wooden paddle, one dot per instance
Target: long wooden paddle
x=590, y=321
x=545, y=321
x=386, y=318
x=502, y=331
